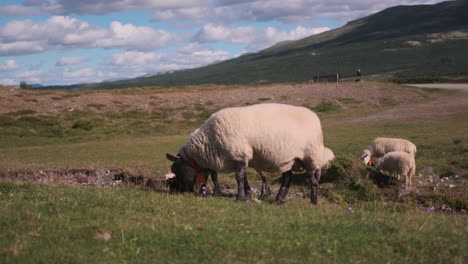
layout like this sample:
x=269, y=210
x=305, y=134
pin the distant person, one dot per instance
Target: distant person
x=358, y=75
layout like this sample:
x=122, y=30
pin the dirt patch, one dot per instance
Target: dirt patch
x=83, y=177
x=49, y=102
x=407, y=103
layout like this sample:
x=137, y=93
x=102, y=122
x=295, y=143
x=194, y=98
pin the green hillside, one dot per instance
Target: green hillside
x=398, y=43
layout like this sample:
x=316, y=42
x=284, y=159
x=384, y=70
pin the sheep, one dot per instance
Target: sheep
x=380, y=146
x=266, y=137
x=399, y=163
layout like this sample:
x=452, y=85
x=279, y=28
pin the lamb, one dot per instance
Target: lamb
x=380, y=146
x=399, y=163
x=266, y=137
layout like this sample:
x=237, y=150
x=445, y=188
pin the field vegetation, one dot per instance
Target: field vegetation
x=359, y=218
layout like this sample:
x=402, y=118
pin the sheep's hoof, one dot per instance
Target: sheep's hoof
x=245, y=199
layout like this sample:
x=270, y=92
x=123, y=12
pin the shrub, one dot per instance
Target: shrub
x=83, y=124
x=326, y=106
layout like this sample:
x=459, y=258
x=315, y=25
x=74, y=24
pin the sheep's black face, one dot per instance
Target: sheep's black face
x=184, y=175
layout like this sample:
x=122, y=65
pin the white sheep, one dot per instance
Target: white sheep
x=266, y=137
x=380, y=146
x=398, y=163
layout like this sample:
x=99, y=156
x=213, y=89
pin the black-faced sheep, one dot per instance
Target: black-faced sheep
x=266, y=137
x=380, y=146
x=400, y=164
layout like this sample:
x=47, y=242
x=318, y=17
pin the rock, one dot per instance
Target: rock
x=427, y=171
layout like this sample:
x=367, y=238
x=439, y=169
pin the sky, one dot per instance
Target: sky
x=57, y=42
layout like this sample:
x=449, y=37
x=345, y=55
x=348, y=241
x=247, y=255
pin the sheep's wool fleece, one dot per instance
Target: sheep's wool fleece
x=380, y=146
x=401, y=163
x=267, y=137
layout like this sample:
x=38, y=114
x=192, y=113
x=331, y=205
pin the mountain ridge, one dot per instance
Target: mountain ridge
x=400, y=42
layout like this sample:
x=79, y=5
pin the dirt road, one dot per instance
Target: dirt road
x=457, y=86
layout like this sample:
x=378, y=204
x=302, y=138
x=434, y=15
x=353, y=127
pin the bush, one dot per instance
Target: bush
x=326, y=106
x=83, y=124
x=24, y=85
x=350, y=181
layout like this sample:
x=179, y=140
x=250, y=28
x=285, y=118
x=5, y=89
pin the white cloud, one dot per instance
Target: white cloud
x=79, y=73
x=216, y=11
x=34, y=76
x=18, y=10
x=134, y=38
x=9, y=65
x=64, y=61
x=65, y=7
x=59, y=32
x=135, y=63
x=8, y=81
x=254, y=38
x=294, y=11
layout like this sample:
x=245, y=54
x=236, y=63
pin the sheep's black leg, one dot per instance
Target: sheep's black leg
x=265, y=192
x=314, y=184
x=248, y=190
x=240, y=178
x=283, y=191
x=214, y=178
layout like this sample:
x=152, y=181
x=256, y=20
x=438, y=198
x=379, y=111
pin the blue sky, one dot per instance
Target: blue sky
x=56, y=42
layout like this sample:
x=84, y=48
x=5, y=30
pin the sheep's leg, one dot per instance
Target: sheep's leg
x=248, y=190
x=265, y=192
x=240, y=178
x=214, y=178
x=314, y=184
x=408, y=182
x=283, y=191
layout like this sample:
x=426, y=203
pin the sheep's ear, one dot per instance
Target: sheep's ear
x=172, y=157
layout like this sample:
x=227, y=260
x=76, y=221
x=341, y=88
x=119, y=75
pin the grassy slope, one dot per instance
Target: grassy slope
x=377, y=44
x=60, y=225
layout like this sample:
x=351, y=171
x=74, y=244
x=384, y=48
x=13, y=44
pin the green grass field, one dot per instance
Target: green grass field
x=70, y=224
x=58, y=224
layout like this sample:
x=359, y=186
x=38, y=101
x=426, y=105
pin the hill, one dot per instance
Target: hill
x=402, y=42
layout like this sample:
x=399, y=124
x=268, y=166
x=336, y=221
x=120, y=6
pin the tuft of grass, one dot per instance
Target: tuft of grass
x=97, y=106
x=326, y=106
x=83, y=124
x=386, y=101
x=21, y=112
x=349, y=101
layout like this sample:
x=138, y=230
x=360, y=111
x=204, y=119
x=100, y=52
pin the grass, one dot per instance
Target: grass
x=43, y=223
x=326, y=106
x=48, y=223
x=112, y=140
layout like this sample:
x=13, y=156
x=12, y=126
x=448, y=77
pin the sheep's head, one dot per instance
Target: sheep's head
x=366, y=157
x=328, y=156
x=182, y=176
